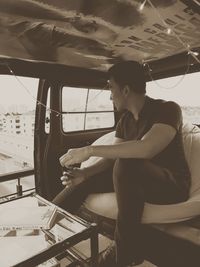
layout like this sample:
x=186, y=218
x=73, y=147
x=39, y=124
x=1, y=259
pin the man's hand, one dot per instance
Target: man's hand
x=73, y=177
x=74, y=156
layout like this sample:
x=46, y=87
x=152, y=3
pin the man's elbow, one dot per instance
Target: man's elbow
x=151, y=152
x=148, y=152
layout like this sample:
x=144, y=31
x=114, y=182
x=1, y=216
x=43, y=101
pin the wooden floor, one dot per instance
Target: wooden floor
x=104, y=243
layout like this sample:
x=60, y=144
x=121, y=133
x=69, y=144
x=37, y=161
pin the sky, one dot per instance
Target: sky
x=185, y=90
x=12, y=92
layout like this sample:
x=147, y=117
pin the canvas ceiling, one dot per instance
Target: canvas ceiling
x=95, y=33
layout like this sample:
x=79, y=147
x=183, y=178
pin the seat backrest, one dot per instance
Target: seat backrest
x=106, y=139
x=191, y=141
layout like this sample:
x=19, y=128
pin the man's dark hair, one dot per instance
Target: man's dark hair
x=129, y=73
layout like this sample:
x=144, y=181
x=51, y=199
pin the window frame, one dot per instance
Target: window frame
x=83, y=112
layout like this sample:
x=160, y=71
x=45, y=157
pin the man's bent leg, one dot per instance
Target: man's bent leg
x=137, y=181
x=71, y=199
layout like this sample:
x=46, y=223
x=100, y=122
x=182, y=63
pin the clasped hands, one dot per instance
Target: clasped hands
x=74, y=176
x=76, y=155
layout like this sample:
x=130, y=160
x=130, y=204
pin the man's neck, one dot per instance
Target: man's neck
x=136, y=104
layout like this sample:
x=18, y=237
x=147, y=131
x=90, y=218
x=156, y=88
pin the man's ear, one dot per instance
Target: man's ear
x=126, y=90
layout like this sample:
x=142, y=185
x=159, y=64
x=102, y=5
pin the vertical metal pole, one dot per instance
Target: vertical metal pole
x=94, y=246
x=19, y=188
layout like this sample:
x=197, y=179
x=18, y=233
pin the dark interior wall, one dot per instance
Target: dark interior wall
x=76, y=76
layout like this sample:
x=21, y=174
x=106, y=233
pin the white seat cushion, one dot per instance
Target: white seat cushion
x=105, y=203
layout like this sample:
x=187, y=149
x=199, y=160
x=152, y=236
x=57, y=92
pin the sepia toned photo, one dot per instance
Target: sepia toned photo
x=99, y=133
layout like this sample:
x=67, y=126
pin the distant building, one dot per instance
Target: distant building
x=16, y=135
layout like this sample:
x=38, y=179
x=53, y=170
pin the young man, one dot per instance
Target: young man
x=148, y=159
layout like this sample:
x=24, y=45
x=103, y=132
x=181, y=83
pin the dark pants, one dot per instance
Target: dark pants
x=135, y=181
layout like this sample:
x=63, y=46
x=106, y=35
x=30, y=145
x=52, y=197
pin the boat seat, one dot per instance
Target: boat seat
x=104, y=204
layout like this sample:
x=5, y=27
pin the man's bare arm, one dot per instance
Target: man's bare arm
x=102, y=163
x=152, y=143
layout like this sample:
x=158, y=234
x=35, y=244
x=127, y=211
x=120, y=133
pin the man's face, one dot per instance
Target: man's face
x=116, y=95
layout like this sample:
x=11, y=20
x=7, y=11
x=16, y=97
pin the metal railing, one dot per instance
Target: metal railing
x=17, y=175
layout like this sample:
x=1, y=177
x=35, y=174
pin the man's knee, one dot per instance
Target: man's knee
x=124, y=165
x=125, y=169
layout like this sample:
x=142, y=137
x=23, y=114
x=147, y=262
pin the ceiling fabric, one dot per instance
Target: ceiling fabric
x=96, y=33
